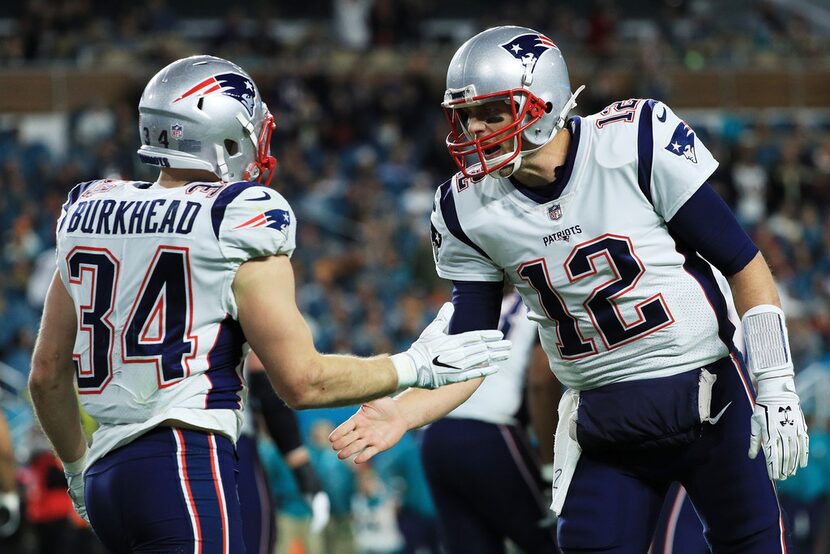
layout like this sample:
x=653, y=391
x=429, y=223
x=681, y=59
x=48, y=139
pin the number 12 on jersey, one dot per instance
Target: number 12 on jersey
x=603, y=304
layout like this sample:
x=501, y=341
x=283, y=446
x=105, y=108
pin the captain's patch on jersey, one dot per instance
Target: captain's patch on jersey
x=682, y=142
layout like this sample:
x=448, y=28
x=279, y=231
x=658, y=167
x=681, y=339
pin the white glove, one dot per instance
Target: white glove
x=9, y=513
x=437, y=359
x=74, y=472
x=320, y=511
x=778, y=425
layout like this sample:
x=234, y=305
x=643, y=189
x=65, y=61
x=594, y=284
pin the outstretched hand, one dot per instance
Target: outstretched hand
x=376, y=426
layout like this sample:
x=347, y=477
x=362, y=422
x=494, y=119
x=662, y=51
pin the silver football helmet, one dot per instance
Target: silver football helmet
x=515, y=65
x=204, y=112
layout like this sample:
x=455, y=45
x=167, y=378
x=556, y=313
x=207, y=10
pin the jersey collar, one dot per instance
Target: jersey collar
x=552, y=191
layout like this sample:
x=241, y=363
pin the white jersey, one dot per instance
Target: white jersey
x=499, y=396
x=616, y=297
x=150, y=272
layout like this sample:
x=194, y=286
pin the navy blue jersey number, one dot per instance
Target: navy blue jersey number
x=97, y=268
x=158, y=328
x=602, y=305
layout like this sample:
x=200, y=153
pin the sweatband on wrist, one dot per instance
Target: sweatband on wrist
x=76, y=467
x=767, y=345
x=405, y=367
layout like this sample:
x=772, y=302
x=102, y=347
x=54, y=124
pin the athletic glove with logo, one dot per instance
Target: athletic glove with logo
x=437, y=359
x=777, y=421
x=778, y=425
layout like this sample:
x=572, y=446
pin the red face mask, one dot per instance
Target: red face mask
x=264, y=162
x=462, y=148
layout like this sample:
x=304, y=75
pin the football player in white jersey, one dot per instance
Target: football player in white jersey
x=159, y=289
x=604, y=224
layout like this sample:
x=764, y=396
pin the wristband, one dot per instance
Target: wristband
x=767, y=345
x=405, y=368
x=76, y=467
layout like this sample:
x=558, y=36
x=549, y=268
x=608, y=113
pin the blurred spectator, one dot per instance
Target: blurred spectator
x=351, y=23
x=339, y=482
x=293, y=513
x=375, y=521
x=48, y=507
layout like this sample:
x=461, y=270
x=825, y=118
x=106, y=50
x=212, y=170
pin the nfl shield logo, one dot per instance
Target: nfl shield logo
x=177, y=131
x=555, y=212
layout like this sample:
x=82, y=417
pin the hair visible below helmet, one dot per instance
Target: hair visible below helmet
x=204, y=112
x=515, y=65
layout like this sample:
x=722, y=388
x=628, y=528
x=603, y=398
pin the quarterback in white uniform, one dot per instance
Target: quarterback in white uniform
x=158, y=290
x=605, y=225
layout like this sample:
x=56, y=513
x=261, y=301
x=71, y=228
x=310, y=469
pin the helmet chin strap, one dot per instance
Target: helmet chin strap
x=509, y=170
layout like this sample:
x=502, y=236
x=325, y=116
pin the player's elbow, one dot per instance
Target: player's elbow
x=301, y=388
x=45, y=376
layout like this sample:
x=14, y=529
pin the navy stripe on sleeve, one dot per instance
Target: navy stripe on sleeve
x=477, y=305
x=645, y=149
x=451, y=218
x=73, y=197
x=217, y=212
x=707, y=225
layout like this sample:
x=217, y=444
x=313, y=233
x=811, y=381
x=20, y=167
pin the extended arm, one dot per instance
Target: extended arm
x=304, y=378
x=777, y=421
x=380, y=424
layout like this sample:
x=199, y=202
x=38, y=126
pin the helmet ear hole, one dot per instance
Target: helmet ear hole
x=548, y=107
x=200, y=102
x=231, y=146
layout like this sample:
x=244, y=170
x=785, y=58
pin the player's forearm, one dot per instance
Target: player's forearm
x=56, y=406
x=420, y=406
x=340, y=380
x=543, y=392
x=753, y=286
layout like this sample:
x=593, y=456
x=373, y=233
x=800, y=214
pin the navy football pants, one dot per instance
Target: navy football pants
x=486, y=485
x=614, y=500
x=257, y=509
x=171, y=491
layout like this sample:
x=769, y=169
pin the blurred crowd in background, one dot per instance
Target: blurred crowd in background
x=360, y=154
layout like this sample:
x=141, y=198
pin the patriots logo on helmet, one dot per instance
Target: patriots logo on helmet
x=275, y=219
x=682, y=142
x=230, y=84
x=528, y=48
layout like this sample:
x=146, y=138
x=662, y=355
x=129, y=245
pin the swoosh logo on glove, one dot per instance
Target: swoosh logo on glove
x=439, y=364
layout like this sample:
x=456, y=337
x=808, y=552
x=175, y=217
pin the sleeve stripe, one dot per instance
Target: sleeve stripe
x=73, y=197
x=217, y=212
x=645, y=149
x=450, y=215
